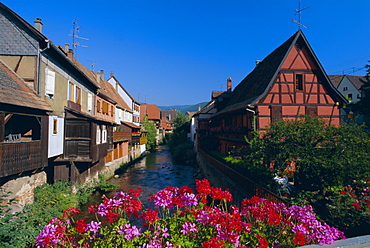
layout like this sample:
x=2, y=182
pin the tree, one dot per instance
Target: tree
x=180, y=120
x=152, y=133
x=324, y=155
x=364, y=104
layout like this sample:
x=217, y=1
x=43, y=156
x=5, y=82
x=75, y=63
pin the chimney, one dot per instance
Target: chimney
x=111, y=74
x=66, y=48
x=257, y=62
x=101, y=74
x=38, y=24
x=229, y=84
x=70, y=54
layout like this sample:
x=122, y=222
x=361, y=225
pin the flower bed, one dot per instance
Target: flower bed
x=182, y=218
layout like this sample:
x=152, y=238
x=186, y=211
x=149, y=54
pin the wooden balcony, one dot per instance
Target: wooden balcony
x=143, y=140
x=121, y=136
x=17, y=157
x=74, y=106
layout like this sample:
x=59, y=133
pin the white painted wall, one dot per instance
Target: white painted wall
x=346, y=87
x=56, y=141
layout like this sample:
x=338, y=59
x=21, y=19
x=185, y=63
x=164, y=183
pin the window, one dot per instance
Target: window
x=71, y=87
x=55, y=126
x=105, y=108
x=78, y=95
x=111, y=110
x=98, y=133
x=311, y=111
x=104, y=134
x=349, y=97
x=298, y=82
x=49, y=82
x=98, y=106
x=276, y=113
x=89, y=102
x=345, y=88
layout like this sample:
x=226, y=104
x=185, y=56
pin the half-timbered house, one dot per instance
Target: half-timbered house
x=288, y=83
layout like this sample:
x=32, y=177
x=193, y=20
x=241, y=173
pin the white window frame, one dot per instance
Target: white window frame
x=98, y=135
x=104, y=134
x=49, y=82
x=89, y=102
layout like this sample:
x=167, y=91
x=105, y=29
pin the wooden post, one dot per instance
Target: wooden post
x=2, y=126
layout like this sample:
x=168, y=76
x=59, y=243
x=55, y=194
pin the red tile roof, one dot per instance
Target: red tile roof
x=151, y=110
x=14, y=91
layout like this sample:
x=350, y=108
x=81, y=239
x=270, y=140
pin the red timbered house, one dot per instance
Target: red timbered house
x=288, y=83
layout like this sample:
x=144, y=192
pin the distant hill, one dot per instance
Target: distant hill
x=177, y=107
x=184, y=108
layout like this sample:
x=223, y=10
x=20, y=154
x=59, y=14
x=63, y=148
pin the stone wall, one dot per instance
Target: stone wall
x=22, y=188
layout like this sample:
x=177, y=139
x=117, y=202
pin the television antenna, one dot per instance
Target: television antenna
x=93, y=64
x=75, y=37
x=299, y=11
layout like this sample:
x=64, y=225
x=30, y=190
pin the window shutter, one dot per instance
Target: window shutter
x=49, y=81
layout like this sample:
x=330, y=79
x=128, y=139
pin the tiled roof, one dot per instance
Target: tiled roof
x=105, y=88
x=132, y=98
x=257, y=83
x=357, y=81
x=132, y=125
x=336, y=79
x=14, y=91
x=151, y=110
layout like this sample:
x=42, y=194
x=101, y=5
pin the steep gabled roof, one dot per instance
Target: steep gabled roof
x=14, y=91
x=123, y=88
x=357, y=81
x=257, y=83
x=336, y=79
x=105, y=88
x=151, y=110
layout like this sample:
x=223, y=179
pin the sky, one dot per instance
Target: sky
x=176, y=52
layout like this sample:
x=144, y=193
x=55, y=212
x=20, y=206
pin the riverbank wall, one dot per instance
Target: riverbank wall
x=219, y=180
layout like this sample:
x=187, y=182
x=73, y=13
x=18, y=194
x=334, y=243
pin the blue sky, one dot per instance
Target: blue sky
x=175, y=52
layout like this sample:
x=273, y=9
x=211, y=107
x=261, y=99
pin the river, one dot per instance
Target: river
x=152, y=173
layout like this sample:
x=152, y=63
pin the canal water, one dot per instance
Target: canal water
x=152, y=173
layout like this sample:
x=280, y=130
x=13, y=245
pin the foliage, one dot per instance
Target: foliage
x=181, y=148
x=180, y=120
x=86, y=190
x=349, y=206
x=364, y=104
x=317, y=150
x=20, y=229
x=50, y=200
x=152, y=133
x=184, y=219
x=184, y=154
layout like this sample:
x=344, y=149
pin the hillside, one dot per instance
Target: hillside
x=184, y=108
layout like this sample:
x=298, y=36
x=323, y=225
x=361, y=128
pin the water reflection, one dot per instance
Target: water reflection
x=153, y=173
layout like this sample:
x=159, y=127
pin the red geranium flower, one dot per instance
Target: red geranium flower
x=356, y=206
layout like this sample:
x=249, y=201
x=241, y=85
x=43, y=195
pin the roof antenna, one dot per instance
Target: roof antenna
x=299, y=10
x=75, y=37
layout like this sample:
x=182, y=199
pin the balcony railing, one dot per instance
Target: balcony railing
x=121, y=136
x=143, y=140
x=19, y=157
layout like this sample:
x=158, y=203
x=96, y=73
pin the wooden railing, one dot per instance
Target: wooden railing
x=120, y=136
x=19, y=157
x=241, y=181
x=143, y=140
